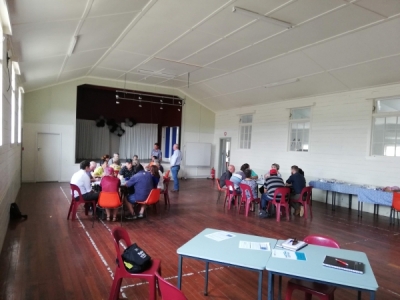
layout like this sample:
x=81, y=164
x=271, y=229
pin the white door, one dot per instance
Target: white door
x=48, y=157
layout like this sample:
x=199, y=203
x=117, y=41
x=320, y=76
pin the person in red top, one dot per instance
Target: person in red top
x=110, y=183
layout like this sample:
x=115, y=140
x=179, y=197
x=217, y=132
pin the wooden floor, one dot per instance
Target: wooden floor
x=48, y=257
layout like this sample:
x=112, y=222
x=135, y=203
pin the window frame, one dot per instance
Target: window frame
x=384, y=115
x=299, y=121
x=250, y=132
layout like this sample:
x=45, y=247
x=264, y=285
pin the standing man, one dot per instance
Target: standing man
x=156, y=152
x=175, y=161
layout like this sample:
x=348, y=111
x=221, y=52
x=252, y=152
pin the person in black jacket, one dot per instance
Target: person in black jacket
x=226, y=176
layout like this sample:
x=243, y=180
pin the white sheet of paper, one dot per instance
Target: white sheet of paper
x=254, y=246
x=284, y=254
x=220, y=236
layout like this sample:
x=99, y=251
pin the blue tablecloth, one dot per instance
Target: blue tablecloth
x=363, y=194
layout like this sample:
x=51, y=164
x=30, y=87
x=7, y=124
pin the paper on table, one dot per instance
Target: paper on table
x=254, y=246
x=287, y=254
x=220, y=236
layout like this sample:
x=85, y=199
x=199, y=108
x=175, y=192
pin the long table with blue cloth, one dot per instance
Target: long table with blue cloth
x=365, y=194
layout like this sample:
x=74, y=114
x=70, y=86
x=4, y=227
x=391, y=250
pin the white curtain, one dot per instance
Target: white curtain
x=138, y=140
x=92, y=142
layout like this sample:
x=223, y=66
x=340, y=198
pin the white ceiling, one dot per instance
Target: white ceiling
x=334, y=45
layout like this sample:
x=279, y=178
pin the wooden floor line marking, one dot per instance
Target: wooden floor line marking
x=93, y=243
x=172, y=277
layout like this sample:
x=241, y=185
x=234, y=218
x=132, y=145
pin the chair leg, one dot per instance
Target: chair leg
x=247, y=208
x=307, y=296
x=74, y=209
x=152, y=288
x=278, y=212
x=305, y=206
x=219, y=196
x=70, y=209
x=289, y=292
x=287, y=210
x=116, y=286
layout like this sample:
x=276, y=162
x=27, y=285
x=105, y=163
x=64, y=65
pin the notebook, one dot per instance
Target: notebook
x=292, y=244
x=344, y=264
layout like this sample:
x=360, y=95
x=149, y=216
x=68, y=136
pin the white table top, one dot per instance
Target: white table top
x=228, y=251
x=313, y=269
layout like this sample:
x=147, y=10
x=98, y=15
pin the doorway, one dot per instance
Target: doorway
x=48, y=157
x=224, y=154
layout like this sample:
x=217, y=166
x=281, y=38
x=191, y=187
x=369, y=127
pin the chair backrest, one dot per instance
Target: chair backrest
x=75, y=188
x=119, y=234
x=321, y=241
x=283, y=192
x=306, y=194
x=109, y=200
x=396, y=201
x=231, y=187
x=247, y=194
x=153, y=197
x=116, y=172
x=169, y=291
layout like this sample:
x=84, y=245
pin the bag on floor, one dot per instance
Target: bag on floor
x=15, y=213
x=136, y=260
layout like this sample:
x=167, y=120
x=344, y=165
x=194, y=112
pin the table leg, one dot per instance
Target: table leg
x=372, y=295
x=270, y=286
x=179, y=271
x=333, y=200
x=358, y=209
x=206, y=280
x=326, y=198
x=350, y=200
x=358, y=295
x=280, y=288
x=260, y=280
x=362, y=206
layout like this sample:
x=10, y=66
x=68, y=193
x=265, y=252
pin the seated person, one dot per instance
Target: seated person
x=116, y=165
x=114, y=159
x=105, y=157
x=226, y=176
x=155, y=161
x=247, y=166
x=143, y=184
x=271, y=184
x=251, y=183
x=236, y=180
x=297, y=182
x=109, y=183
x=135, y=157
x=92, y=167
x=127, y=170
x=266, y=175
x=155, y=175
x=137, y=167
x=82, y=181
x=160, y=184
x=99, y=172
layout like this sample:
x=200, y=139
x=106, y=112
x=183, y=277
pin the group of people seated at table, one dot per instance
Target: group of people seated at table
x=139, y=181
x=271, y=181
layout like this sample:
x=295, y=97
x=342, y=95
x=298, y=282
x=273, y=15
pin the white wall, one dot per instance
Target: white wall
x=10, y=157
x=339, y=140
x=53, y=110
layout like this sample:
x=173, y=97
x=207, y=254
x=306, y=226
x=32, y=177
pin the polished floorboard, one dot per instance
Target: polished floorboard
x=48, y=257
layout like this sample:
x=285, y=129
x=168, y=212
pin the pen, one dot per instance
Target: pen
x=341, y=262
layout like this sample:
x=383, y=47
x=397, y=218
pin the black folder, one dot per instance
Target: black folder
x=344, y=264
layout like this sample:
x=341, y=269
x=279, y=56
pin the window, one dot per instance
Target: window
x=20, y=92
x=12, y=105
x=245, y=128
x=1, y=86
x=299, y=129
x=386, y=127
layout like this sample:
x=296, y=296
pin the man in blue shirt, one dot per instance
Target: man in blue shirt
x=175, y=162
x=297, y=182
x=143, y=184
x=156, y=152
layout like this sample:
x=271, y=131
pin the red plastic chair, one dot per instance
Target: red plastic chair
x=395, y=208
x=322, y=291
x=111, y=200
x=305, y=200
x=246, y=198
x=168, y=291
x=220, y=190
x=231, y=193
x=283, y=202
x=167, y=174
x=165, y=192
x=119, y=234
x=116, y=172
x=152, y=199
x=74, y=203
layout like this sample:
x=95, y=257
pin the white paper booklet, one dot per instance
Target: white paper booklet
x=254, y=246
x=220, y=236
